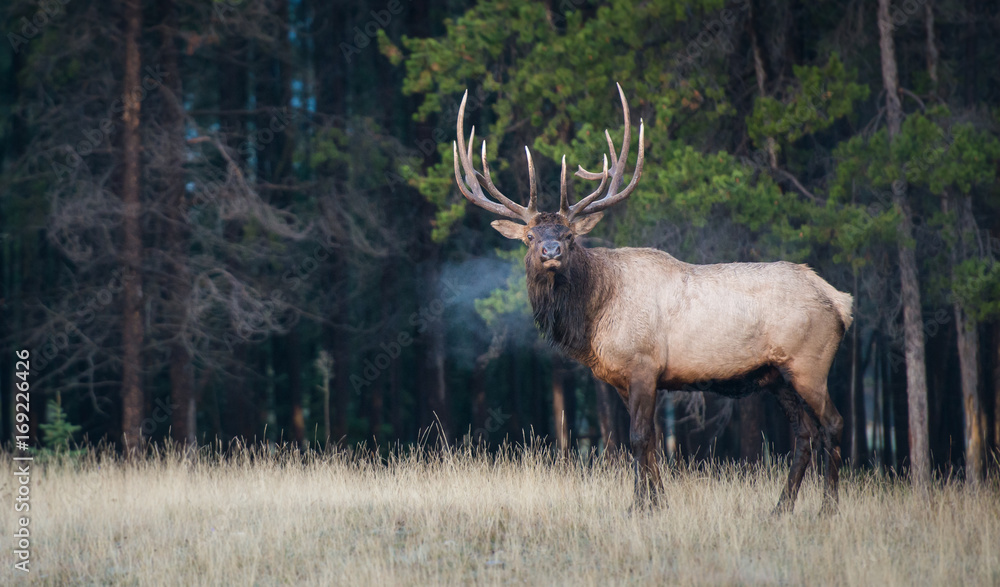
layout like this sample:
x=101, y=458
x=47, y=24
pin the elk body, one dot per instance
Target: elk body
x=642, y=320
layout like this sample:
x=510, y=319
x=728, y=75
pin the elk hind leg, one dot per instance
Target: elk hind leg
x=806, y=434
x=813, y=392
x=831, y=425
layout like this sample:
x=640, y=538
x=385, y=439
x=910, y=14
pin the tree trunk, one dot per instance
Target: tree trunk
x=559, y=423
x=900, y=410
x=515, y=381
x=340, y=345
x=182, y=398
x=609, y=415
x=436, y=354
x=479, y=432
x=396, y=403
x=239, y=413
x=132, y=323
x=916, y=370
x=967, y=331
x=855, y=411
x=330, y=28
x=233, y=92
x=563, y=413
x=751, y=415
x=860, y=423
x=878, y=409
x=434, y=359
x=177, y=282
x=605, y=417
x=969, y=64
x=975, y=418
x=932, y=51
x=326, y=413
x=996, y=385
x=888, y=404
x=376, y=406
x=660, y=421
x=297, y=421
x=916, y=373
x=761, y=73
x=324, y=364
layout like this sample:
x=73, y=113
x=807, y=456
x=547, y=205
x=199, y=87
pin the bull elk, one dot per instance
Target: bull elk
x=642, y=320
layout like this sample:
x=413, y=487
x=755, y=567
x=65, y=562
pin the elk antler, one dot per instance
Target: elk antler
x=471, y=188
x=588, y=205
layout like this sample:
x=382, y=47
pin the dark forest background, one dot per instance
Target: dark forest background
x=238, y=219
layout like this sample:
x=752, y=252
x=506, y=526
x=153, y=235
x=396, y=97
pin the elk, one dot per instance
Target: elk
x=643, y=320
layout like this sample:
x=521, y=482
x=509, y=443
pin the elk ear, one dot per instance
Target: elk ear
x=587, y=223
x=510, y=229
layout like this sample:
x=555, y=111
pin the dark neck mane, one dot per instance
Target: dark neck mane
x=563, y=302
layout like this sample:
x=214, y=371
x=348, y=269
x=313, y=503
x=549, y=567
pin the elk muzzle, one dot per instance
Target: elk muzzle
x=551, y=254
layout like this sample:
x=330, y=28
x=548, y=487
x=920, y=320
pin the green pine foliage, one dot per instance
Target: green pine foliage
x=819, y=96
x=57, y=431
x=977, y=287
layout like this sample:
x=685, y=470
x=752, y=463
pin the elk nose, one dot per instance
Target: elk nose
x=551, y=250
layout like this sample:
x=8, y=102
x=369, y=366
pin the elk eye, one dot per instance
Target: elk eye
x=531, y=238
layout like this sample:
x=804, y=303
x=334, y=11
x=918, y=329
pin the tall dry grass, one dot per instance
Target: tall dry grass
x=466, y=517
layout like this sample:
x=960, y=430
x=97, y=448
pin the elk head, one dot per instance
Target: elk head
x=550, y=236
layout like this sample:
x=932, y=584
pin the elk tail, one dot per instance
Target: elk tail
x=844, y=303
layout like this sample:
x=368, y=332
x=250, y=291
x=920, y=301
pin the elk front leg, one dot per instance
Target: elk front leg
x=642, y=408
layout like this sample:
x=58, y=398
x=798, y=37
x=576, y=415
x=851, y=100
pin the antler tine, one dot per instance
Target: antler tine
x=532, y=185
x=611, y=144
x=563, y=190
x=590, y=175
x=583, y=173
x=470, y=187
x=617, y=166
x=577, y=208
x=488, y=183
x=611, y=200
x=476, y=195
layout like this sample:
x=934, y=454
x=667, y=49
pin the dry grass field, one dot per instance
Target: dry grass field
x=516, y=518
